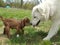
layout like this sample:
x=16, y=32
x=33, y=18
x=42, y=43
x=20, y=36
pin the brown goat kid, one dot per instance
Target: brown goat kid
x=14, y=24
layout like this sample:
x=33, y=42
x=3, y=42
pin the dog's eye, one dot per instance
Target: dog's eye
x=34, y=17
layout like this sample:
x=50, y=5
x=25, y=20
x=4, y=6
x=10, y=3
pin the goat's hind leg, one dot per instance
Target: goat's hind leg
x=7, y=31
x=4, y=31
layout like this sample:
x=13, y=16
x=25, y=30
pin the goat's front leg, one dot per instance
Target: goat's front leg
x=18, y=31
x=22, y=31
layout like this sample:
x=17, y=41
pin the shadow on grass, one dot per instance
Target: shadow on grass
x=29, y=38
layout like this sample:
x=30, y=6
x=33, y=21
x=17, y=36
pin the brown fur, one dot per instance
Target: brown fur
x=14, y=24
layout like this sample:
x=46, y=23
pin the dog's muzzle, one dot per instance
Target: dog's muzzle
x=36, y=23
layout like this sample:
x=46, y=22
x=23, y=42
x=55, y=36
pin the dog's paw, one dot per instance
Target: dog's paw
x=46, y=38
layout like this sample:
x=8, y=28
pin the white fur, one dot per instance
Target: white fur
x=49, y=8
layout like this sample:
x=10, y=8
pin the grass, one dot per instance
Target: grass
x=32, y=36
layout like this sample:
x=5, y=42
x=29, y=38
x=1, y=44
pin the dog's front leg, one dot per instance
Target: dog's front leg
x=53, y=30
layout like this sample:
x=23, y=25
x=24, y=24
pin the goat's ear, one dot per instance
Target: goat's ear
x=23, y=22
x=27, y=19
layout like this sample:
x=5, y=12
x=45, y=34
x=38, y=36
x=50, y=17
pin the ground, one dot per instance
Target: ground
x=32, y=36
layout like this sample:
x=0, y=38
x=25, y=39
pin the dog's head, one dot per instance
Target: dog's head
x=39, y=16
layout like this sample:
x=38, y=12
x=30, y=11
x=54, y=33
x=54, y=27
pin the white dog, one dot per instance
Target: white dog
x=44, y=11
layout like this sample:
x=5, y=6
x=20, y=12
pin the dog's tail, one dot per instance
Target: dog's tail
x=1, y=18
